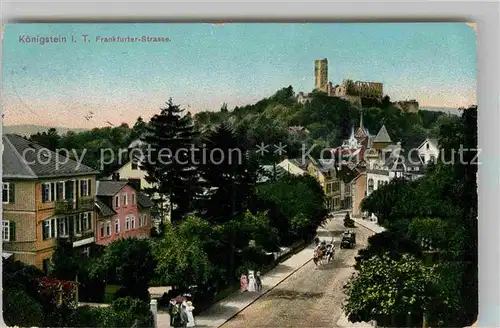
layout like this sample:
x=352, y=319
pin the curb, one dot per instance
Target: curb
x=267, y=291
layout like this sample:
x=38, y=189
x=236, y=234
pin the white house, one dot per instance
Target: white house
x=428, y=150
x=375, y=179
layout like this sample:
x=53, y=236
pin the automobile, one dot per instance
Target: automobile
x=348, y=239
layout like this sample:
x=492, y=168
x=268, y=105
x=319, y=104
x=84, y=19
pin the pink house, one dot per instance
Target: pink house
x=121, y=212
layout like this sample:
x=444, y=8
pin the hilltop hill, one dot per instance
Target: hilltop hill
x=26, y=130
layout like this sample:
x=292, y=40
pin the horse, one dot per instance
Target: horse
x=318, y=256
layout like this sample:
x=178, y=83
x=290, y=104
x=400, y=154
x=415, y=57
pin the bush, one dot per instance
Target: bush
x=20, y=309
x=126, y=312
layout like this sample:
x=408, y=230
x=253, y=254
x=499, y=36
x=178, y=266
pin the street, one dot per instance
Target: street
x=311, y=297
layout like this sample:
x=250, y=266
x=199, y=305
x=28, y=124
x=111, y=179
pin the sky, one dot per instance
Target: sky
x=87, y=83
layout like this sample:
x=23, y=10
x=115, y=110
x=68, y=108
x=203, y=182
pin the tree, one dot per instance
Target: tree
x=168, y=164
x=387, y=290
x=139, y=128
x=49, y=139
x=182, y=260
x=223, y=108
x=130, y=263
x=228, y=176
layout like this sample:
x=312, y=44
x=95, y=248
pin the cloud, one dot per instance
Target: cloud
x=473, y=25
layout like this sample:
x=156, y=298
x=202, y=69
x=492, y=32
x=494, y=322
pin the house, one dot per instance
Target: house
x=47, y=199
x=428, y=150
x=325, y=172
x=295, y=166
x=130, y=170
x=359, y=187
x=121, y=212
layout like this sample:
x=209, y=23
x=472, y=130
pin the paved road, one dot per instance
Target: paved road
x=311, y=297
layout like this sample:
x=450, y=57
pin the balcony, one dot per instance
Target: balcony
x=64, y=206
x=77, y=239
x=86, y=204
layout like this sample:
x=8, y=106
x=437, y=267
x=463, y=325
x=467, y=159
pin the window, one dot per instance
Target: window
x=127, y=223
x=108, y=228
x=60, y=191
x=125, y=199
x=370, y=186
x=427, y=146
x=145, y=220
x=117, y=201
x=49, y=229
x=46, y=192
x=133, y=198
x=117, y=225
x=69, y=186
x=132, y=222
x=134, y=165
x=86, y=220
x=8, y=230
x=8, y=193
x=63, y=227
x=102, y=229
x=328, y=188
x=85, y=187
x=78, y=224
x=347, y=188
x=329, y=204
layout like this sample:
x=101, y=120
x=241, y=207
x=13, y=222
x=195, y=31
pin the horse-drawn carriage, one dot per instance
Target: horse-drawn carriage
x=323, y=252
x=348, y=239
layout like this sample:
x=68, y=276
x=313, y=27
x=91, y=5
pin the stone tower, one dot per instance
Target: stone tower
x=321, y=75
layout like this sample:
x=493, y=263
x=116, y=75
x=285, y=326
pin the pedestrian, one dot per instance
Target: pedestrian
x=243, y=283
x=258, y=281
x=171, y=306
x=190, y=309
x=184, y=315
x=251, y=281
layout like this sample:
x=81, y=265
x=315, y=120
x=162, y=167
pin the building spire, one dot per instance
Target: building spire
x=361, y=120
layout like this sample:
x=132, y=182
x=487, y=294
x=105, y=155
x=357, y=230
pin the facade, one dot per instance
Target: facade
x=428, y=150
x=358, y=89
x=321, y=75
x=121, y=212
x=47, y=199
x=359, y=186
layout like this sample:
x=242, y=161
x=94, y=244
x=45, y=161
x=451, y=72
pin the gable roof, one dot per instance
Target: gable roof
x=104, y=209
x=299, y=162
x=143, y=200
x=23, y=159
x=434, y=142
x=382, y=135
x=108, y=188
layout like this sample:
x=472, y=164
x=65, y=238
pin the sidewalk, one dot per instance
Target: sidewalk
x=370, y=225
x=226, y=309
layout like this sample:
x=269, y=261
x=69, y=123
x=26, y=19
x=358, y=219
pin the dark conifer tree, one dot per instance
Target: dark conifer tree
x=228, y=175
x=169, y=141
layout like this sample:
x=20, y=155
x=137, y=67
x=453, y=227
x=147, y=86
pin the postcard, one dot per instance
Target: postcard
x=240, y=174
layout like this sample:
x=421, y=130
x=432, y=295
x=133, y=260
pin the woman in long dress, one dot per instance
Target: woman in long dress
x=243, y=283
x=251, y=281
x=189, y=310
